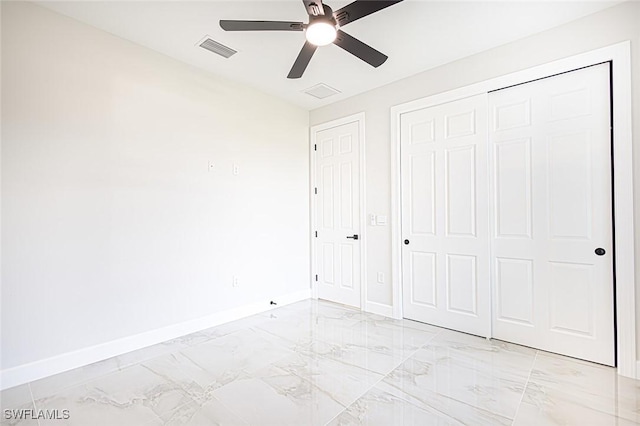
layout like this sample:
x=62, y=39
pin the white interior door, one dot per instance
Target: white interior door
x=445, y=252
x=551, y=184
x=338, y=214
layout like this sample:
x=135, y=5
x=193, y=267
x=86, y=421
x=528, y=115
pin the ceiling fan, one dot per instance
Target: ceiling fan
x=323, y=28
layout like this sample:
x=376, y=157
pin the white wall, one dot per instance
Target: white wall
x=111, y=223
x=605, y=28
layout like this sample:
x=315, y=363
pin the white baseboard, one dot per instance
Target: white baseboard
x=379, y=308
x=47, y=367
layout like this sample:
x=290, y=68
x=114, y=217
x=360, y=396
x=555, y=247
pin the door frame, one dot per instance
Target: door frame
x=355, y=118
x=620, y=56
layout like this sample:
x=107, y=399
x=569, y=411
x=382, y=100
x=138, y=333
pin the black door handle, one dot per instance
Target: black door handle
x=355, y=237
x=600, y=251
x=406, y=242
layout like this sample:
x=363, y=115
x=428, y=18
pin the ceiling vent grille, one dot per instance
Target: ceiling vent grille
x=321, y=91
x=215, y=47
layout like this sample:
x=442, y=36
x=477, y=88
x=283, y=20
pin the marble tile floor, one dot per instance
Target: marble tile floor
x=319, y=363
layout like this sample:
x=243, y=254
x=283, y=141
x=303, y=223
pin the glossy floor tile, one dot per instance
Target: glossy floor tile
x=487, y=375
x=319, y=363
x=14, y=400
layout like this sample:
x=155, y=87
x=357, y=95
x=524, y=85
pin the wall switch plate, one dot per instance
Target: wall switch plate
x=381, y=220
x=381, y=277
x=372, y=219
x=236, y=169
x=236, y=281
x=211, y=166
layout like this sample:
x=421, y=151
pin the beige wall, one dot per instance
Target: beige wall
x=112, y=225
x=605, y=28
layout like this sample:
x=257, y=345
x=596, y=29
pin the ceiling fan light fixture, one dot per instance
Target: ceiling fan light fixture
x=322, y=29
x=321, y=33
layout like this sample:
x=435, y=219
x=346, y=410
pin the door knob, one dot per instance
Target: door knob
x=406, y=242
x=355, y=237
x=600, y=251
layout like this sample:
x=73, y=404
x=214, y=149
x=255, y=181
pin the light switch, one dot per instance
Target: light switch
x=381, y=220
x=372, y=219
x=381, y=277
x=236, y=169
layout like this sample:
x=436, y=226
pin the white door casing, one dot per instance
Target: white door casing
x=620, y=57
x=338, y=211
x=551, y=192
x=445, y=257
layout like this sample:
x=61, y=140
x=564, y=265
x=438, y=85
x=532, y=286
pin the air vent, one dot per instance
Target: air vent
x=215, y=47
x=321, y=91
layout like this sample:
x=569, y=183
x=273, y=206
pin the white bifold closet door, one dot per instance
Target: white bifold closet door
x=445, y=250
x=552, y=239
x=507, y=215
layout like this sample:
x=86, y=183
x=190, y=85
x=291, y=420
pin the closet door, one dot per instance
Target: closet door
x=552, y=232
x=445, y=255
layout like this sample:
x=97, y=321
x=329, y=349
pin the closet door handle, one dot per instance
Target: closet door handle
x=355, y=237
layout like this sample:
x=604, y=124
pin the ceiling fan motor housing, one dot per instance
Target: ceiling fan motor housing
x=327, y=17
x=322, y=29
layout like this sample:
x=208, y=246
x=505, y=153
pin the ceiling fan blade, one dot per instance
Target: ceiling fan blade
x=359, y=9
x=302, y=60
x=314, y=7
x=360, y=49
x=261, y=25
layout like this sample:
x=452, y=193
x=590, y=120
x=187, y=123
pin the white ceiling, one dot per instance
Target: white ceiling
x=416, y=35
